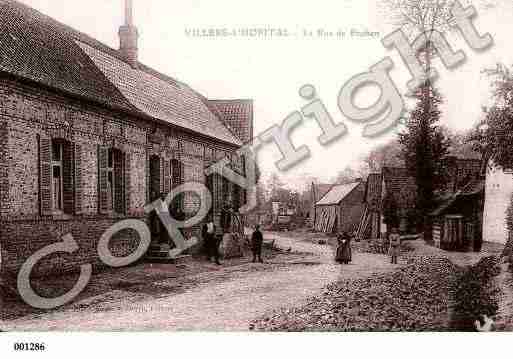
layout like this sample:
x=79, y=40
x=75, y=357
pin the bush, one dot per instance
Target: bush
x=474, y=294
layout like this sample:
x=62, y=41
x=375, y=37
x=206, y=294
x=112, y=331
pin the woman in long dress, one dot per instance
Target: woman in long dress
x=344, y=254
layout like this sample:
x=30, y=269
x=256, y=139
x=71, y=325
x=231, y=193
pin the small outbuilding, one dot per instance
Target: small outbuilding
x=393, y=184
x=341, y=208
x=458, y=221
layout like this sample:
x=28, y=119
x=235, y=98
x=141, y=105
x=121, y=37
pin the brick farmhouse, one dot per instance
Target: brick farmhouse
x=89, y=136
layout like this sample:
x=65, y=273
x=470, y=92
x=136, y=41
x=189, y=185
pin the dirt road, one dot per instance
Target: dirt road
x=227, y=305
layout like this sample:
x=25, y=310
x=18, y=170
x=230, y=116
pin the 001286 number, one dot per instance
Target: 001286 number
x=29, y=347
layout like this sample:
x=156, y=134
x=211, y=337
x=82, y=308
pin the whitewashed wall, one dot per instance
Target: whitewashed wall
x=499, y=188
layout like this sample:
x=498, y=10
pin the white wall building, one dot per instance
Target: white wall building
x=499, y=189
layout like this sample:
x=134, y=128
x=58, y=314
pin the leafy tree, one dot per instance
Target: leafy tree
x=425, y=147
x=494, y=136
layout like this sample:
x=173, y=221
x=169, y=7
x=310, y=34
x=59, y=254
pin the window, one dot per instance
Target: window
x=154, y=187
x=114, y=180
x=110, y=180
x=178, y=179
x=59, y=177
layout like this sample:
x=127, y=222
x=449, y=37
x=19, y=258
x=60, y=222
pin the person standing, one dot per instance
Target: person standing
x=208, y=233
x=257, y=239
x=395, y=245
x=344, y=254
x=226, y=218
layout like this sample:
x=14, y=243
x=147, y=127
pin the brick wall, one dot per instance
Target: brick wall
x=29, y=112
x=21, y=239
x=4, y=173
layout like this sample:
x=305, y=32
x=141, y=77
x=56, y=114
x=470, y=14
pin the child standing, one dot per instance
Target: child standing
x=395, y=245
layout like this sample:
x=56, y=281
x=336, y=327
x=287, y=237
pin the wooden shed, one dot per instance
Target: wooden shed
x=341, y=208
x=394, y=183
x=458, y=221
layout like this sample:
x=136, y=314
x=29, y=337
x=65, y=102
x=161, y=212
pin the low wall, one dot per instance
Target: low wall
x=21, y=239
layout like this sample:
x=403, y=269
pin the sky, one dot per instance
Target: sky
x=271, y=70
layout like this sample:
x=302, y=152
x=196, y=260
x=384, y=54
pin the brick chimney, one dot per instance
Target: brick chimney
x=128, y=36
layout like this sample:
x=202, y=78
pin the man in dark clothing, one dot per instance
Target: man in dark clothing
x=226, y=218
x=208, y=233
x=257, y=240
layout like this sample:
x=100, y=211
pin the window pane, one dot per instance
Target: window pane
x=110, y=189
x=56, y=172
x=111, y=159
x=57, y=188
x=56, y=151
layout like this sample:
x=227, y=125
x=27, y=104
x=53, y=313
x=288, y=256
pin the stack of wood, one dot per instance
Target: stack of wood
x=364, y=227
x=326, y=219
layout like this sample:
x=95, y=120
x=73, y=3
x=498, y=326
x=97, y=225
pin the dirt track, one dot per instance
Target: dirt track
x=228, y=304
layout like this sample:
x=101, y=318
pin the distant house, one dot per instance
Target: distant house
x=341, y=208
x=370, y=224
x=392, y=184
x=400, y=186
x=457, y=221
x=498, y=192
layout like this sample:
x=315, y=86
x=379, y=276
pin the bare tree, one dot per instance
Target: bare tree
x=386, y=155
x=418, y=17
x=350, y=175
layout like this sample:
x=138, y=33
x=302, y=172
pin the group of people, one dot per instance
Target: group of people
x=212, y=240
x=211, y=237
x=343, y=254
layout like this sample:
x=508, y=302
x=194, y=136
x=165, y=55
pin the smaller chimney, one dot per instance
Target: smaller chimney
x=128, y=36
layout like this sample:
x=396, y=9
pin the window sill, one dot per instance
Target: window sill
x=59, y=216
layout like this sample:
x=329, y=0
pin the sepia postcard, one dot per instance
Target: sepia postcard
x=254, y=167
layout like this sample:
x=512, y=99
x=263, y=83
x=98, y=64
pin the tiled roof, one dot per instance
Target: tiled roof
x=176, y=104
x=237, y=115
x=37, y=47
x=337, y=194
x=474, y=187
x=444, y=206
x=401, y=186
x=33, y=47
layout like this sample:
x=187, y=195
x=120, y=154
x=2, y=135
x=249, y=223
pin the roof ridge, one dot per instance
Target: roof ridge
x=231, y=100
x=73, y=39
x=351, y=186
x=78, y=35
